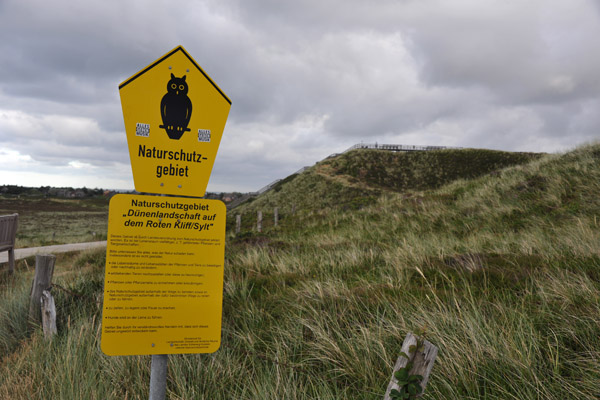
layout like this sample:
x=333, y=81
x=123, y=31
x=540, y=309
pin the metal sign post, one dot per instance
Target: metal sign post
x=158, y=376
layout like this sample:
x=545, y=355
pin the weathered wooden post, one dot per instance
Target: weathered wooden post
x=259, y=221
x=293, y=209
x=275, y=215
x=238, y=223
x=8, y=232
x=44, y=269
x=421, y=354
x=48, y=309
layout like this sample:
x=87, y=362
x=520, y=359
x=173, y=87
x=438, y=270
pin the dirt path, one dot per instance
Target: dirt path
x=59, y=248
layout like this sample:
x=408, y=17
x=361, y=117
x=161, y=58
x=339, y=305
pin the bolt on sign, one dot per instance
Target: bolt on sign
x=163, y=287
x=174, y=117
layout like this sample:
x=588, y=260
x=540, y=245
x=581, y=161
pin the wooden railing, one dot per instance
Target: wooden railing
x=397, y=147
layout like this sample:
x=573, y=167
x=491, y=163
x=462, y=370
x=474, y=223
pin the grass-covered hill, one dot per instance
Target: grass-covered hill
x=358, y=178
x=500, y=270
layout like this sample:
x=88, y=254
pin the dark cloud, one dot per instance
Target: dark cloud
x=307, y=78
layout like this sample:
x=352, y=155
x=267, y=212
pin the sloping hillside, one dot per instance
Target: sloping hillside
x=358, y=178
x=419, y=170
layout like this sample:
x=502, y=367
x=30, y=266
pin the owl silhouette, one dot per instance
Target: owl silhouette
x=176, y=108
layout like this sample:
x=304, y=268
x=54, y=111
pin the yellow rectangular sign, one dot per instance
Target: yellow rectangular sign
x=163, y=286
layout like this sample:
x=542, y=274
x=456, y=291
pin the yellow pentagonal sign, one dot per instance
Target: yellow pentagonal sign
x=174, y=119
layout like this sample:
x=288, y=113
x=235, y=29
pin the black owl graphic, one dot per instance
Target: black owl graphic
x=176, y=108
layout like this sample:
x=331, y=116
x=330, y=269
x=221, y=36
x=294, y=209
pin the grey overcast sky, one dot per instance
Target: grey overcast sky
x=307, y=78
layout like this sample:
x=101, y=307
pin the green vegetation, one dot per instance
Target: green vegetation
x=422, y=169
x=48, y=221
x=500, y=271
x=358, y=178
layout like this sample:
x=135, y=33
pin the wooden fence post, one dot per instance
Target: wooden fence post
x=8, y=234
x=275, y=215
x=44, y=268
x=48, y=314
x=421, y=354
x=259, y=221
x=238, y=223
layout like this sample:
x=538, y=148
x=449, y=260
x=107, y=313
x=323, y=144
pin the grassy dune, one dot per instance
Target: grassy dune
x=500, y=270
x=358, y=178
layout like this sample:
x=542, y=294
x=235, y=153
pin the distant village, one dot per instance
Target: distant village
x=81, y=193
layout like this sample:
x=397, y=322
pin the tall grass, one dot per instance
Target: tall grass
x=500, y=272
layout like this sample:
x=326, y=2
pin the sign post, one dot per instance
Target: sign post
x=158, y=376
x=163, y=287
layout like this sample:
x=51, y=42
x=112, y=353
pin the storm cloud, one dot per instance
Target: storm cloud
x=306, y=78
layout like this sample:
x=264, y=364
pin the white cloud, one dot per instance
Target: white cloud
x=60, y=138
x=13, y=159
x=21, y=169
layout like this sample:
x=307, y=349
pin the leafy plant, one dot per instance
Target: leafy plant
x=409, y=385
